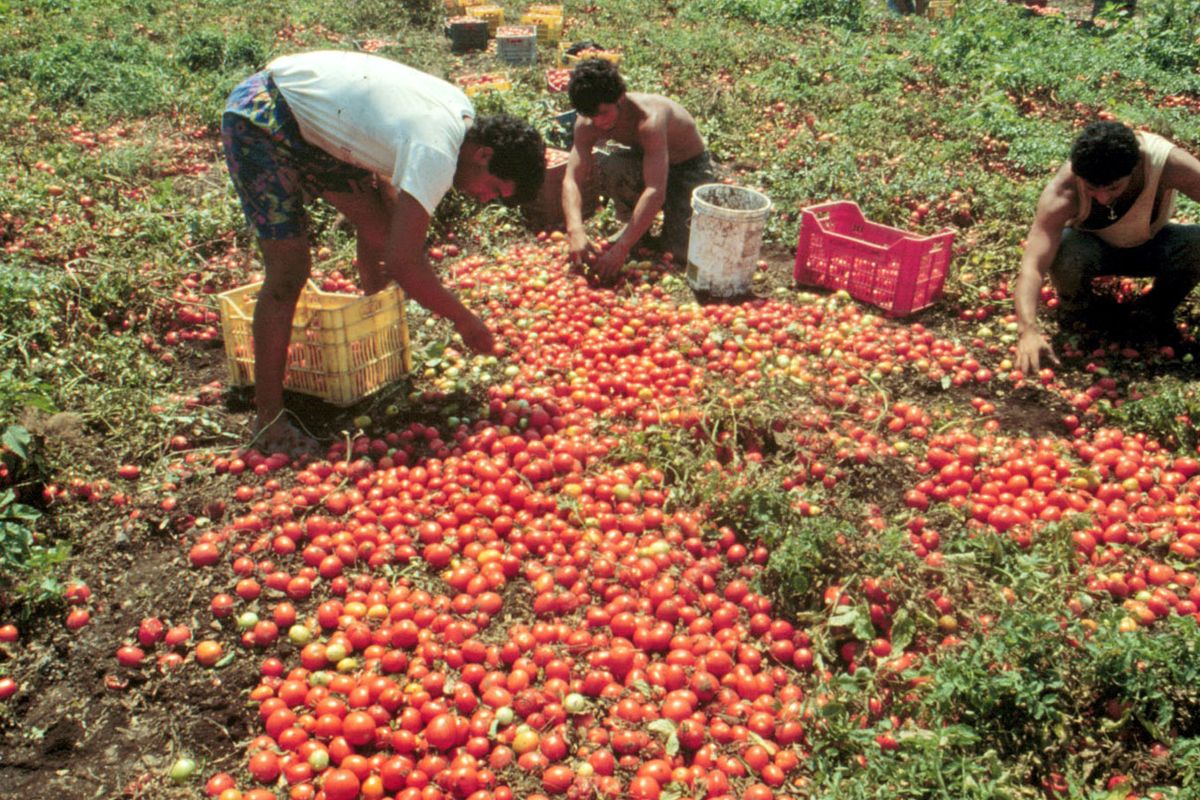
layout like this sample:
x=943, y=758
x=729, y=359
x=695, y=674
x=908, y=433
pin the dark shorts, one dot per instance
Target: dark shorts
x=1172, y=258
x=274, y=171
x=620, y=179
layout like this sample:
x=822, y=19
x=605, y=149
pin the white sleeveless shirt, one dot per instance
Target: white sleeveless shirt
x=380, y=115
x=1135, y=227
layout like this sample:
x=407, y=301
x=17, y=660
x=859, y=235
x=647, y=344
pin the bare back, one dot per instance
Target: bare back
x=649, y=115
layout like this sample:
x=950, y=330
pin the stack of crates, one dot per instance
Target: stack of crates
x=516, y=44
x=493, y=15
x=548, y=19
x=467, y=33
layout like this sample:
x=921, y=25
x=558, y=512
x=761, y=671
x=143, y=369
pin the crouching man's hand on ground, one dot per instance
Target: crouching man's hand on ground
x=609, y=264
x=1030, y=348
x=578, y=246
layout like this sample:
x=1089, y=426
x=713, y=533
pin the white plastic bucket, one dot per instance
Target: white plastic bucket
x=726, y=236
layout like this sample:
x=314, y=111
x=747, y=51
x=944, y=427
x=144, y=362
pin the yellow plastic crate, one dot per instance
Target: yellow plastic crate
x=475, y=84
x=493, y=15
x=547, y=10
x=343, y=347
x=549, y=29
x=940, y=9
x=567, y=60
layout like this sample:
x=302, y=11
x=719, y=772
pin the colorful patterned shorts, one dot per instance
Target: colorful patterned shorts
x=274, y=171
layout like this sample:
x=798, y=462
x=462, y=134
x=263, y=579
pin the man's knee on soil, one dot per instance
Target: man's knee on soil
x=1184, y=256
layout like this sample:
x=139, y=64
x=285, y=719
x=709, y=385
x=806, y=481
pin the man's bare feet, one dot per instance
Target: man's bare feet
x=282, y=436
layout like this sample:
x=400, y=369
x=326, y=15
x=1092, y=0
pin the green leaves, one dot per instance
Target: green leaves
x=16, y=518
x=17, y=439
x=214, y=50
x=845, y=13
x=1166, y=410
x=666, y=728
x=16, y=539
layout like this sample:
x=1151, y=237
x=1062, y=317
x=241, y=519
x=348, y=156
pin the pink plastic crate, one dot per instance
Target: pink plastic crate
x=897, y=271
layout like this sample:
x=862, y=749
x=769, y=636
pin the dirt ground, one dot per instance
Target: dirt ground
x=83, y=726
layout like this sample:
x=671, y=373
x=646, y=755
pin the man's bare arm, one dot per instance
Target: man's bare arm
x=1182, y=173
x=655, y=165
x=580, y=164
x=1055, y=208
x=406, y=263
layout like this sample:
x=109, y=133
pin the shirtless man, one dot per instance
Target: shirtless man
x=1107, y=212
x=662, y=161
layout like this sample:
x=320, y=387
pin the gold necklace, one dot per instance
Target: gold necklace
x=1112, y=212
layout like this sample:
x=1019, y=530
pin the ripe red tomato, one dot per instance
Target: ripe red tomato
x=177, y=635
x=204, y=554
x=442, y=731
x=150, y=631
x=264, y=766
x=130, y=656
x=758, y=791
x=340, y=784
x=557, y=779
x=359, y=728
x=643, y=787
x=218, y=783
x=78, y=618
x=208, y=652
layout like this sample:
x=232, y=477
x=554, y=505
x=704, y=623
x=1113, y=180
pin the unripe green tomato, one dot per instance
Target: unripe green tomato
x=319, y=760
x=575, y=703
x=299, y=635
x=182, y=770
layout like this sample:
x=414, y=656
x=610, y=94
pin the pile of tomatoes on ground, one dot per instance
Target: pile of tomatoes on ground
x=561, y=629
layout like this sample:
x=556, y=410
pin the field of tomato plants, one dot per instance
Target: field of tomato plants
x=779, y=546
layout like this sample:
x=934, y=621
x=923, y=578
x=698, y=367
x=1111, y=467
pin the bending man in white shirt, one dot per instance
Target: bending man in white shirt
x=382, y=143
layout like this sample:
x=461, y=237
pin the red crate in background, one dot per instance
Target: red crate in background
x=897, y=271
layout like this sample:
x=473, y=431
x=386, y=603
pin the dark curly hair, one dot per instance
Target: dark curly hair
x=1104, y=152
x=594, y=81
x=518, y=153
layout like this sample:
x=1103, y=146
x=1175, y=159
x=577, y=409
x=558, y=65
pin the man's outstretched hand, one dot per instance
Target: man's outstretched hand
x=476, y=335
x=1030, y=348
x=579, y=247
x=609, y=263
